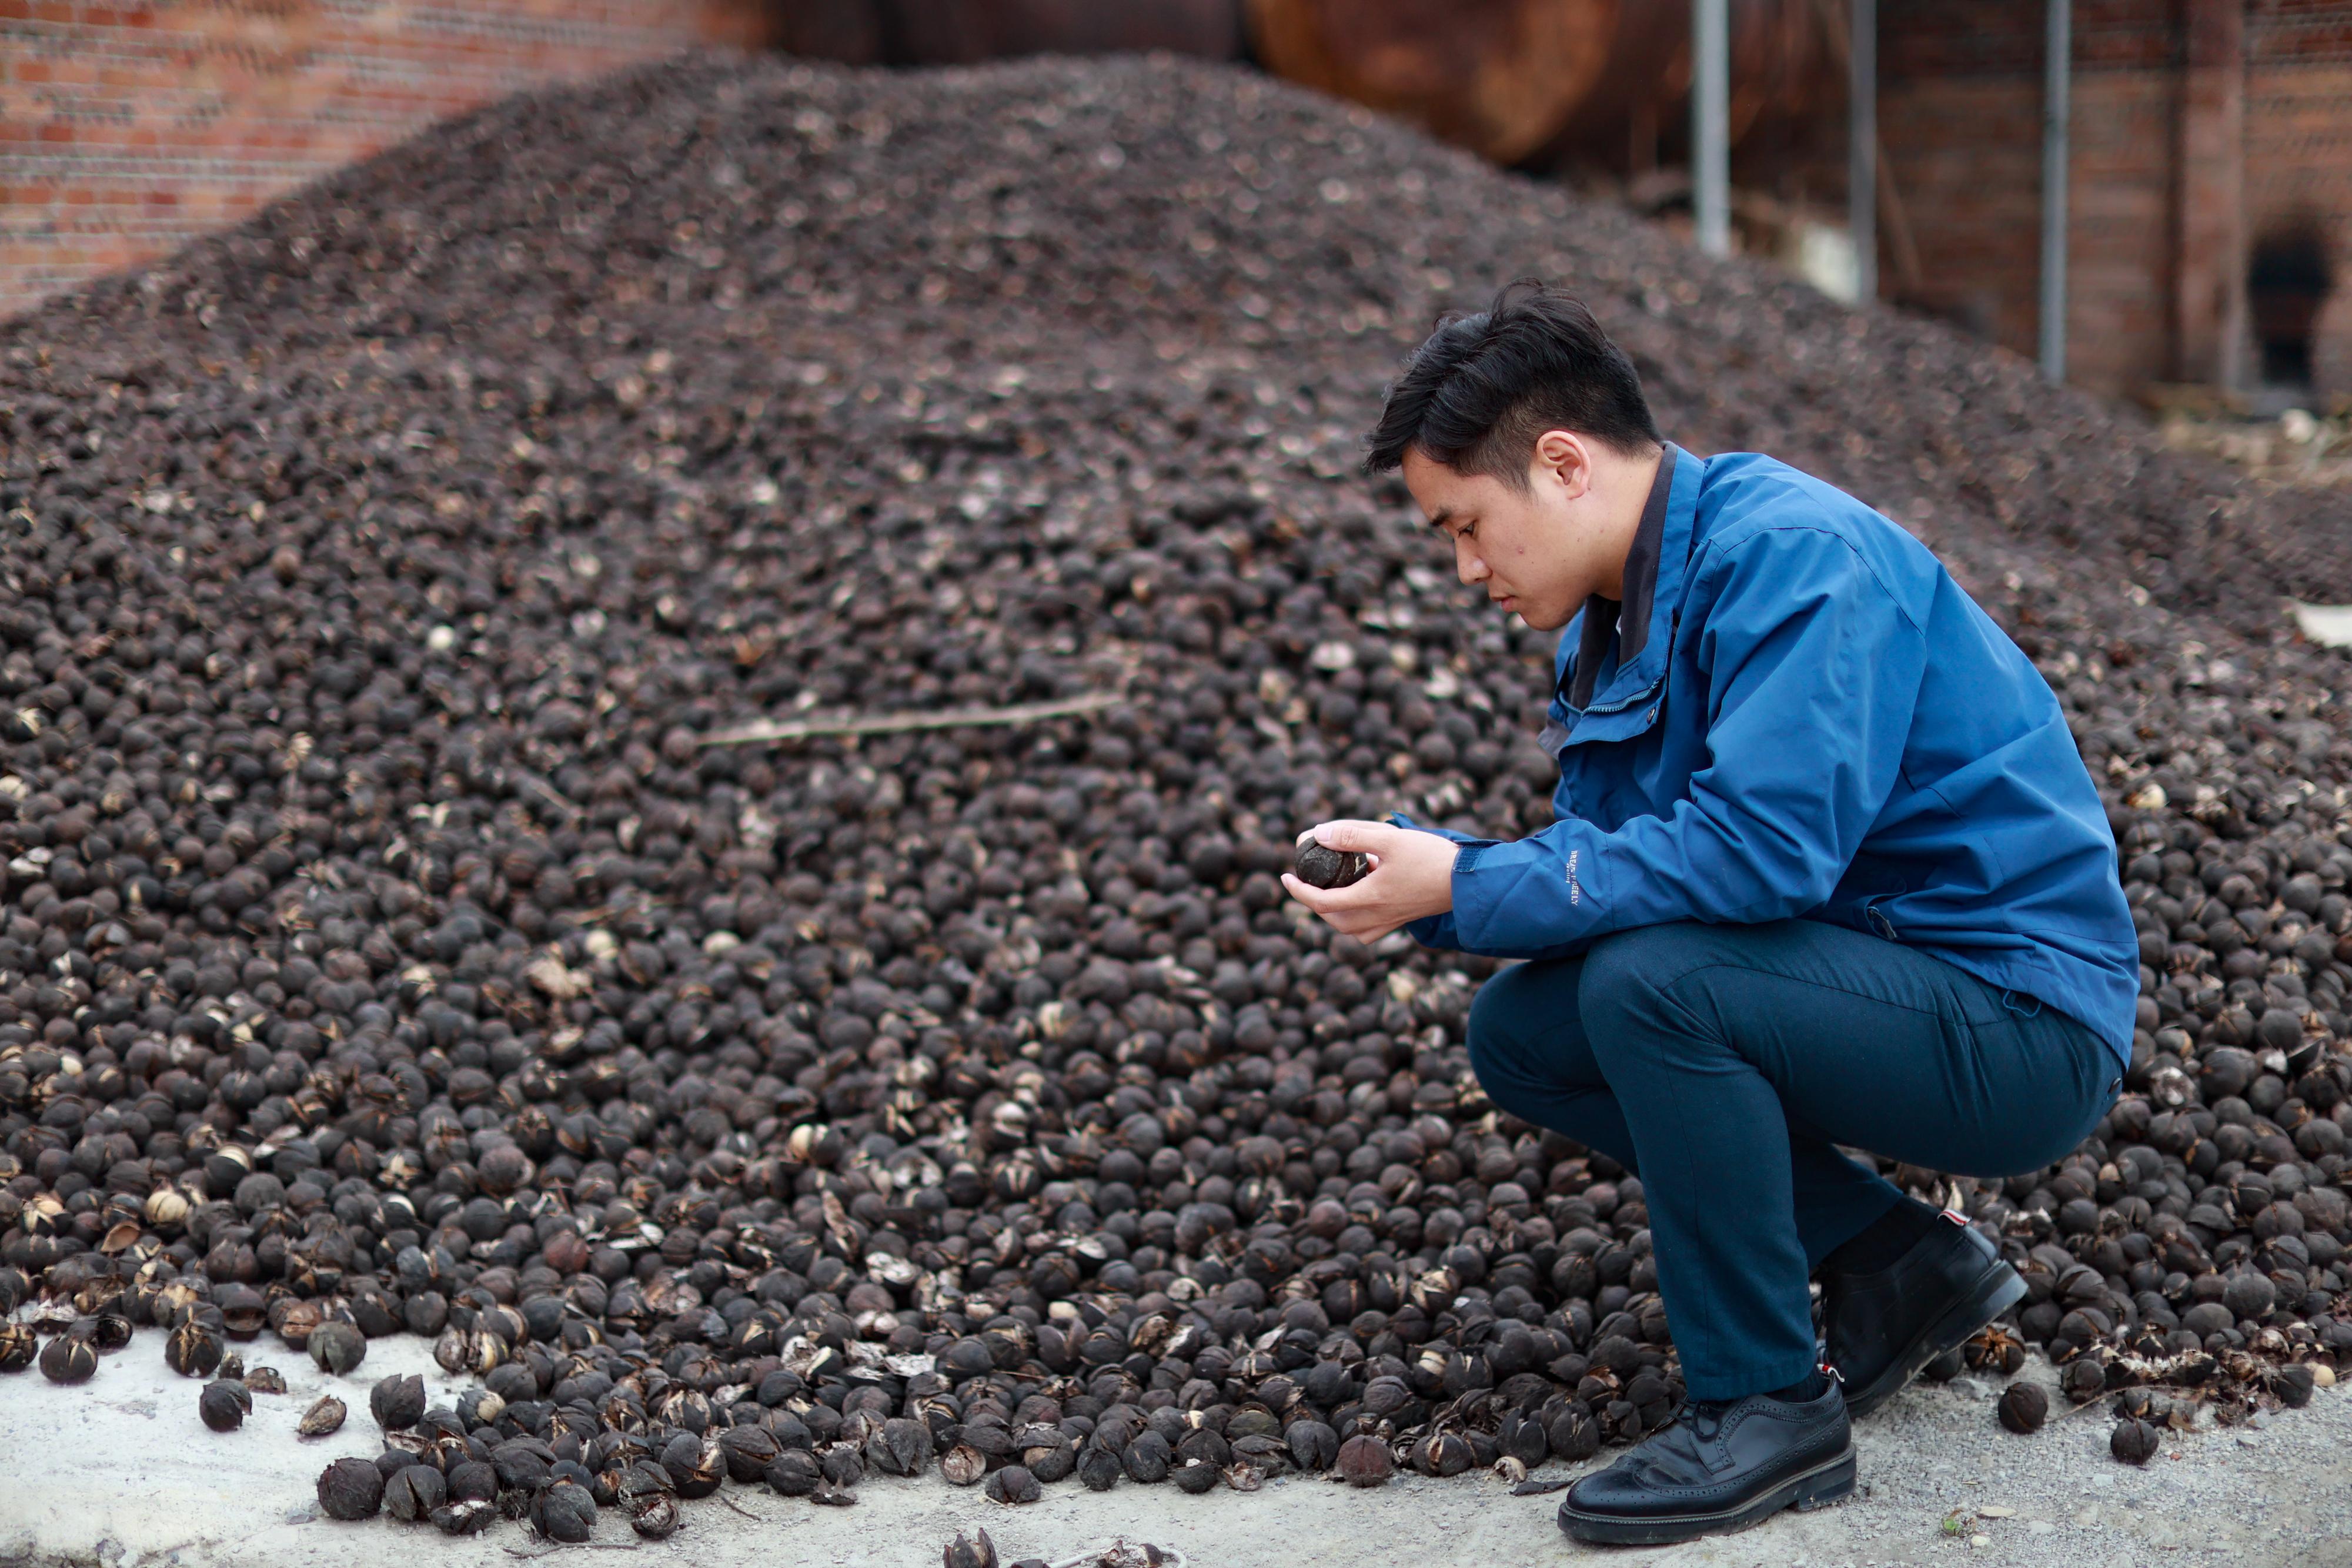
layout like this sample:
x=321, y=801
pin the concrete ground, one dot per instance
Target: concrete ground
x=119, y=1473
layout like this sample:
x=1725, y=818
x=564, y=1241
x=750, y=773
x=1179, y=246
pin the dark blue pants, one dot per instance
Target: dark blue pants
x=1725, y=1063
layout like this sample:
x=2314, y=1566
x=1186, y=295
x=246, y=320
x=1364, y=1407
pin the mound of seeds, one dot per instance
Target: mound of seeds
x=389, y=948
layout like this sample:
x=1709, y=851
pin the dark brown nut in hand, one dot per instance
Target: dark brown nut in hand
x=2135, y=1442
x=397, y=1402
x=1317, y=866
x=338, y=1348
x=225, y=1403
x=350, y=1489
x=325, y=1417
x=2023, y=1407
x=69, y=1358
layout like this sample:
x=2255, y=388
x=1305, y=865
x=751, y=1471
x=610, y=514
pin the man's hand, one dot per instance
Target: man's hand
x=1411, y=878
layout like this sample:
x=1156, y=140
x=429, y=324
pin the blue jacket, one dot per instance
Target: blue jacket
x=1801, y=714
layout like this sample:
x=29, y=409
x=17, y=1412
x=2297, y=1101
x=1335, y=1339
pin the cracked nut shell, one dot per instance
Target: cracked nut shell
x=225, y=1403
x=337, y=1348
x=1365, y=1461
x=1319, y=866
x=2135, y=1442
x=350, y=1489
x=397, y=1402
x=69, y=1358
x=2023, y=1407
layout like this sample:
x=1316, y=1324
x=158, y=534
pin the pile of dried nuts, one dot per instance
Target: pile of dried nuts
x=385, y=946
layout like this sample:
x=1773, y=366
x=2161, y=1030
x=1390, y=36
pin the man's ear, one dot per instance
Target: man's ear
x=1561, y=458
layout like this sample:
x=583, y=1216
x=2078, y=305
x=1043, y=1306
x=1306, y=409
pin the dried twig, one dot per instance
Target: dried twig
x=548, y=793
x=771, y=733
x=547, y=1546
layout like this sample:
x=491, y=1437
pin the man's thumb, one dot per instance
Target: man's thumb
x=1353, y=837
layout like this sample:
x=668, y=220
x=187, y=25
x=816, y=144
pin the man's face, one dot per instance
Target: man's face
x=1532, y=550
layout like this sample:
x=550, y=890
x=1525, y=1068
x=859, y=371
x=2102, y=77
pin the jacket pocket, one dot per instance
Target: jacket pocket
x=1622, y=720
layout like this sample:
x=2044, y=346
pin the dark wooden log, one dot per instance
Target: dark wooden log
x=964, y=32
x=1499, y=76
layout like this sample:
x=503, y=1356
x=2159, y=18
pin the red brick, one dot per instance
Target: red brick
x=1973, y=202
x=282, y=91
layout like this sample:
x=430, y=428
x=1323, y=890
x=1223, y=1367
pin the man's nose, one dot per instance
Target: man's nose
x=1467, y=564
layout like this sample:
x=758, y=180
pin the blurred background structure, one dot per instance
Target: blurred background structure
x=2160, y=209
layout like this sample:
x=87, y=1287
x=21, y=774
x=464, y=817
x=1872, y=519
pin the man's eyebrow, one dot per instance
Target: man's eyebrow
x=1442, y=516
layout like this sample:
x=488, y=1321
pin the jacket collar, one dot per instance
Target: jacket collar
x=1638, y=627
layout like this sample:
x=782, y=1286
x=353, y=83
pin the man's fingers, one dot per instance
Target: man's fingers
x=1325, y=902
x=1332, y=900
x=1343, y=909
x=1351, y=837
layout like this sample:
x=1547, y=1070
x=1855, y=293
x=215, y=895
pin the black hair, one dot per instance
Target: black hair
x=1482, y=387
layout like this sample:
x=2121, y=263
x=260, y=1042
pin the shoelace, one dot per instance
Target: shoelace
x=1705, y=1416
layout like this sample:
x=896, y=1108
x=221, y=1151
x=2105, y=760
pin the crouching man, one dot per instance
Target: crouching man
x=1827, y=870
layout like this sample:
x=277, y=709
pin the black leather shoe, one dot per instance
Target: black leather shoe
x=1717, y=1469
x=1881, y=1328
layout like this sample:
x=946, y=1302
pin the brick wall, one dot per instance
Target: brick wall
x=2299, y=152
x=127, y=127
x=1961, y=117
x=1973, y=195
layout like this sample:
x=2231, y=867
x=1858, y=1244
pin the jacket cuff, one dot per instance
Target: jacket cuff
x=1526, y=895
x=1433, y=931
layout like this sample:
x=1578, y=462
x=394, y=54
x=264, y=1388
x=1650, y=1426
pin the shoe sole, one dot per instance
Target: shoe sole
x=1818, y=1487
x=1998, y=1288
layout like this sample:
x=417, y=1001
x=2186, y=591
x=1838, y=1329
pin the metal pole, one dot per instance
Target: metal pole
x=1862, y=147
x=1710, y=124
x=2057, y=67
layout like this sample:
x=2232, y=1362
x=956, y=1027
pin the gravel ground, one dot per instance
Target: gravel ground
x=119, y=1473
